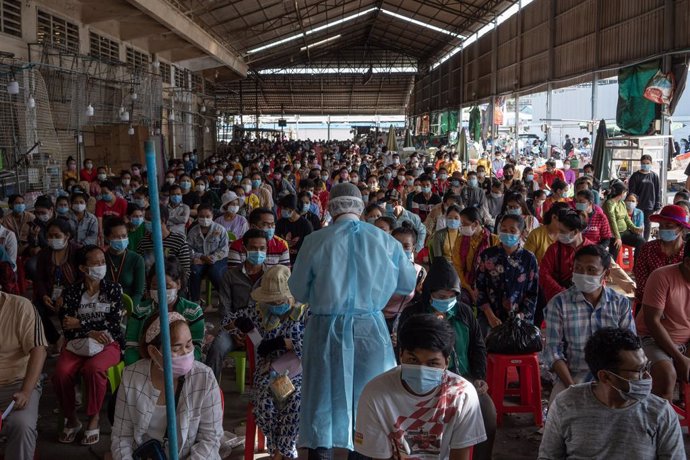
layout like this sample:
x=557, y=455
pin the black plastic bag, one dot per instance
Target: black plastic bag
x=514, y=337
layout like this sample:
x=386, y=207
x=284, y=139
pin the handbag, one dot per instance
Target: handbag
x=86, y=347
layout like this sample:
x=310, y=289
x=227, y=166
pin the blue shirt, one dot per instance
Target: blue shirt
x=571, y=320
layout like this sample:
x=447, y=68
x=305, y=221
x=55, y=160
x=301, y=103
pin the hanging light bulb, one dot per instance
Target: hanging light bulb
x=171, y=117
x=207, y=130
x=156, y=64
x=80, y=139
x=135, y=96
x=157, y=131
x=130, y=131
x=122, y=109
x=203, y=108
x=13, y=87
x=124, y=116
x=31, y=103
x=89, y=110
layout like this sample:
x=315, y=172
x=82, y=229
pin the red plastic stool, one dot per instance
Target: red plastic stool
x=252, y=430
x=626, y=253
x=684, y=413
x=527, y=367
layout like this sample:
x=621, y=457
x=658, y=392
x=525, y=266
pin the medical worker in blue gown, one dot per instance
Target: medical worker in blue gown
x=346, y=272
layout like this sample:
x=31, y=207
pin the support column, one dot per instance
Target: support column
x=549, y=114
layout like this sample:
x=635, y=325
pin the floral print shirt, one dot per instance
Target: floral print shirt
x=508, y=282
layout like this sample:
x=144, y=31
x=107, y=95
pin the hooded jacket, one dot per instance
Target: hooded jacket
x=441, y=276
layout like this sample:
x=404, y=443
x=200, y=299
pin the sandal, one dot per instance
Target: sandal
x=94, y=435
x=69, y=433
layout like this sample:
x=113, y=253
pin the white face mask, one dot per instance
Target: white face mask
x=78, y=207
x=98, y=272
x=57, y=243
x=205, y=221
x=467, y=230
x=247, y=188
x=587, y=283
x=170, y=295
x=566, y=238
x=200, y=188
x=233, y=209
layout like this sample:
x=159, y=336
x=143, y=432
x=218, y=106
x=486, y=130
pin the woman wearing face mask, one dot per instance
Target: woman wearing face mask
x=140, y=412
x=206, y=196
x=135, y=226
x=91, y=322
x=635, y=214
x=666, y=250
x=372, y=213
x=304, y=204
x=441, y=296
x=71, y=171
x=507, y=277
x=407, y=236
x=85, y=223
x=191, y=311
x=556, y=268
x=235, y=224
x=125, y=189
x=62, y=212
x=530, y=182
x=125, y=267
x=251, y=200
x=109, y=205
x=217, y=185
x=473, y=239
x=444, y=241
x=645, y=183
x=514, y=203
x=36, y=239
x=56, y=268
x=88, y=173
x=598, y=229
x=280, y=321
x=623, y=228
x=208, y=243
x=18, y=221
x=558, y=192
x=179, y=212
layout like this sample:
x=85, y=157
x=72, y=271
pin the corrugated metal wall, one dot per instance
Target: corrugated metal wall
x=583, y=36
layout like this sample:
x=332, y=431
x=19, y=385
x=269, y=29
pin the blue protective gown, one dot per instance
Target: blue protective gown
x=346, y=272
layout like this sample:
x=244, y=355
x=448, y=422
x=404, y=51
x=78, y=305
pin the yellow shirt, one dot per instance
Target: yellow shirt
x=452, y=166
x=21, y=330
x=450, y=243
x=538, y=241
x=487, y=165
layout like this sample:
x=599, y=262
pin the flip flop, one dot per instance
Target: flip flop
x=69, y=433
x=95, y=434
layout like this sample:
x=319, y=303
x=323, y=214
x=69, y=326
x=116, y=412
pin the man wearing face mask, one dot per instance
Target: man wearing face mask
x=179, y=211
x=576, y=313
x=208, y=242
x=441, y=297
x=425, y=199
x=615, y=416
x=395, y=210
x=43, y=210
x=18, y=221
x=390, y=423
x=277, y=253
x=472, y=196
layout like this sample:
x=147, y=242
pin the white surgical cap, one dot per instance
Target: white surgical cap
x=345, y=198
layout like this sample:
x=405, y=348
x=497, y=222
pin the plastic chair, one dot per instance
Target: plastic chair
x=252, y=430
x=626, y=253
x=240, y=358
x=527, y=367
x=114, y=375
x=128, y=304
x=684, y=412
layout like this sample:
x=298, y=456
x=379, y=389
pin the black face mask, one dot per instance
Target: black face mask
x=508, y=176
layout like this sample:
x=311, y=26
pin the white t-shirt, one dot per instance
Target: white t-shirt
x=392, y=422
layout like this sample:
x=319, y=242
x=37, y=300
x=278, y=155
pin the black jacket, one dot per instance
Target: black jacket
x=442, y=275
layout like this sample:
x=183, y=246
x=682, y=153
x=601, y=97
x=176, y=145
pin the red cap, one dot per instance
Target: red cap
x=671, y=213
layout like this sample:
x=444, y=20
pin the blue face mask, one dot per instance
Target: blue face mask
x=410, y=255
x=256, y=183
x=140, y=203
x=421, y=379
x=270, y=232
x=305, y=208
x=453, y=224
x=581, y=206
x=185, y=185
x=286, y=213
x=176, y=199
x=443, y=305
x=509, y=239
x=106, y=197
x=389, y=208
x=372, y=220
x=137, y=221
x=256, y=257
x=238, y=178
x=668, y=235
x=19, y=208
x=529, y=177
x=148, y=226
x=514, y=211
x=62, y=210
x=119, y=245
x=646, y=167
x=474, y=182
x=426, y=189
x=279, y=310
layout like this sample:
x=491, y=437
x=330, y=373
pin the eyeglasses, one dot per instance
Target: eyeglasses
x=640, y=372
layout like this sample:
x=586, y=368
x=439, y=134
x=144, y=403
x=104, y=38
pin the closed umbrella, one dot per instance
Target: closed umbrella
x=601, y=158
x=392, y=143
x=408, y=139
x=461, y=148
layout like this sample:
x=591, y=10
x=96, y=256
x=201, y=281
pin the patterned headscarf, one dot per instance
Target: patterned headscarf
x=155, y=327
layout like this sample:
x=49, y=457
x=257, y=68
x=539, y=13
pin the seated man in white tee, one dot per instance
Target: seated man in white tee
x=420, y=409
x=616, y=416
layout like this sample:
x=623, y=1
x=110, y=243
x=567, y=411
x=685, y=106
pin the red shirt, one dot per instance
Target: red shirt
x=651, y=256
x=556, y=268
x=119, y=208
x=598, y=227
x=549, y=177
x=88, y=175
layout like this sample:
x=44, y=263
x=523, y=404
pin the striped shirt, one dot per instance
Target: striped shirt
x=21, y=330
x=278, y=253
x=571, y=320
x=174, y=244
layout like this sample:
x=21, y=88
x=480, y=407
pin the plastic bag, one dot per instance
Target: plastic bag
x=660, y=87
x=514, y=337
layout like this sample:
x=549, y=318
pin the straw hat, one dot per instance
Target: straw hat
x=274, y=285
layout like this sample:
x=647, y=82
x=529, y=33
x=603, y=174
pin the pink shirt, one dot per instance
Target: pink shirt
x=668, y=290
x=398, y=302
